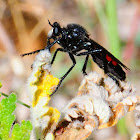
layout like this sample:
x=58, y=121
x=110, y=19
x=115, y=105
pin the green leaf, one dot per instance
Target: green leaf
x=22, y=132
x=7, y=117
x=121, y=127
x=7, y=107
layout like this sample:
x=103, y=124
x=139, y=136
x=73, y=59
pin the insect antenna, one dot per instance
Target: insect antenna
x=50, y=23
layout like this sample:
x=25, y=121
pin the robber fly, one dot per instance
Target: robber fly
x=75, y=40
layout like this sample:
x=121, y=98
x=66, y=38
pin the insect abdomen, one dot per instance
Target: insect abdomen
x=116, y=71
x=109, y=66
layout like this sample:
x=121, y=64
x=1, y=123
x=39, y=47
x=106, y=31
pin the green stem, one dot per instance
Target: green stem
x=101, y=15
x=121, y=127
x=112, y=28
x=17, y=100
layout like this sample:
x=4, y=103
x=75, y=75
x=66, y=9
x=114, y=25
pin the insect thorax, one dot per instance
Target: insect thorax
x=73, y=35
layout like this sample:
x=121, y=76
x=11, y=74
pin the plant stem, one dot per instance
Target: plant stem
x=101, y=15
x=17, y=100
x=112, y=28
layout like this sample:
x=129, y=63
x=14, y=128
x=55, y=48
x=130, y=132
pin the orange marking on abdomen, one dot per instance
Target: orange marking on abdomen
x=114, y=62
x=108, y=58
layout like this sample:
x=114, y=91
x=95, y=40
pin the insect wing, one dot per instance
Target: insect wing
x=109, y=56
x=116, y=60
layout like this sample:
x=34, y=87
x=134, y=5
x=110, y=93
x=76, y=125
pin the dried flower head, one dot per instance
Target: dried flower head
x=40, y=85
x=99, y=104
x=136, y=136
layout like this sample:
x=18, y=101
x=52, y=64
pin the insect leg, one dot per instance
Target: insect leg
x=89, y=52
x=115, y=79
x=48, y=41
x=50, y=45
x=86, y=60
x=62, y=78
x=59, y=49
x=37, y=51
x=85, y=65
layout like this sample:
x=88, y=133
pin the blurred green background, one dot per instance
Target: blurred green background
x=115, y=24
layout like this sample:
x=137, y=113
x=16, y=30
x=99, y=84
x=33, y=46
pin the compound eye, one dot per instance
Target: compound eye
x=56, y=31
